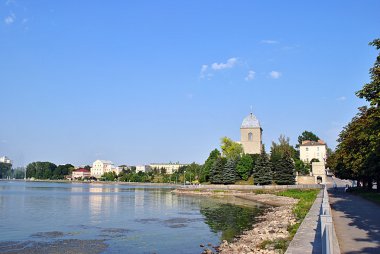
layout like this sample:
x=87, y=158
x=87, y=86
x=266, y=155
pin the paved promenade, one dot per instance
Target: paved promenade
x=356, y=221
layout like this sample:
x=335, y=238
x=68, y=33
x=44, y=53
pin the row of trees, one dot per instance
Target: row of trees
x=225, y=167
x=232, y=164
x=48, y=170
x=357, y=155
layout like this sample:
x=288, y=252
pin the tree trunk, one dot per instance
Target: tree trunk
x=370, y=184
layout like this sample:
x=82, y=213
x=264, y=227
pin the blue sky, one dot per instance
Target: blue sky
x=156, y=81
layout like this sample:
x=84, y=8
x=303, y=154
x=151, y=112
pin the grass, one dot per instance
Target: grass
x=218, y=191
x=306, y=200
x=278, y=244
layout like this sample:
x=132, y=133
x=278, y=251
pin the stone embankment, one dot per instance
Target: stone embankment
x=271, y=228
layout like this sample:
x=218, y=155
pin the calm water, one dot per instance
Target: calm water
x=101, y=218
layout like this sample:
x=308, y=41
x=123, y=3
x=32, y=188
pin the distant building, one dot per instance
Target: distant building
x=5, y=159
x=99, y=167
x=143, y=168
x=313, y=150
x=169, y=167
x=251, y=135
x=81, y=173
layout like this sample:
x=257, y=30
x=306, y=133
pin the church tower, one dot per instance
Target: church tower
x=251, y=135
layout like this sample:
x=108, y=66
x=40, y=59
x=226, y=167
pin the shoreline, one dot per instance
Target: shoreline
x=272, y=226
x=95, y=182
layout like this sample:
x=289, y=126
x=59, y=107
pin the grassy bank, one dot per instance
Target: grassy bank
x=300, y=210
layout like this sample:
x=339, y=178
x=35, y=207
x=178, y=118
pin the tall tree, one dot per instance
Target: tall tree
x=244, y=166
x=307, y=135
x=205, y=175
x=229, y=172
x=357, y=155
x=283, y=170
x=278, y=150
x=231, y=149
x=216, y=171
x=5, y=169
x=262, y=172
x=371, y=91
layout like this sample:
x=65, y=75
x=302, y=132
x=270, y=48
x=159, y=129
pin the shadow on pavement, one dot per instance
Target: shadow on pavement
x=363, y=215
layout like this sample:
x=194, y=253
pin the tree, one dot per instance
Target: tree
x=40, y=170
x=357, y=155
x=109, y=176
x=5, y=169
x=231, y=149
x=283, y=171
x=216, y=171
x=244, y=166
x=301, y=168
x=208, y=164
x=371, y=91
x=307, y=135
x=283, y=147
x=262, y=172
x=229, y=172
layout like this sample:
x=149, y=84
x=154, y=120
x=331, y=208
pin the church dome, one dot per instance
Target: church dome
x=250, y=122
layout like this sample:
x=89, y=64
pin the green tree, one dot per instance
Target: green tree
x=357, y=155
x=262, y=172
x=231, y=149
x=40, y=170
x=216, y=171
x=5, y=170
x=301, y=168
x=371, y=91
x=283, y=171
x=109, y=176
x=307, y=135
x=278, y=150
x=244, y=166
x=229, y=172
x=205, y=175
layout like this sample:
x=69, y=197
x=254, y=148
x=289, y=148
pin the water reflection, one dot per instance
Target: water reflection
x=140, y=219
x=230, y=219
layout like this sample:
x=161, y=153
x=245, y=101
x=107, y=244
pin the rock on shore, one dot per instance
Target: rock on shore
x=273, y=226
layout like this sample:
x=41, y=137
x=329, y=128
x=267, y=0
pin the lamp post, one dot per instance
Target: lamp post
x=184, y=177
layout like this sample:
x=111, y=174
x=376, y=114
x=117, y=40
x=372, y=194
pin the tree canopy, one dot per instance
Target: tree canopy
x=244, y=166
x=307, y=135
x=283, y=170
x=278, y=150
x=371, y=91
x=231, y=149
x=262, y=172
x=357, y=155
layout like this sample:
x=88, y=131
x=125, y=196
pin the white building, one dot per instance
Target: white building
x=169, y=167
x=81, y=173
x=99, y=167
x=313, y=150
x=143, y=168
x=5, y=159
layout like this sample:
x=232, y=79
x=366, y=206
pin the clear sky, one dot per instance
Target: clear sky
x=157, y=81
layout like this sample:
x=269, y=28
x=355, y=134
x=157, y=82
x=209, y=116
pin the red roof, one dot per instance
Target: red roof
x=82, y=170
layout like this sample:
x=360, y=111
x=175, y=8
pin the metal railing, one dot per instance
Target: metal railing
x=326, y=224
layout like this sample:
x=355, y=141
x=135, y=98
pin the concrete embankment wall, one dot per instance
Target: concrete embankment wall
x=252, y=187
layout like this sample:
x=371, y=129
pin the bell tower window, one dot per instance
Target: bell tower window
x=250, y=136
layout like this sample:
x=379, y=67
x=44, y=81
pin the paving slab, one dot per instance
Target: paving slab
x=356, y=221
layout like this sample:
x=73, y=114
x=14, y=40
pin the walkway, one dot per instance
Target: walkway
x=356, y=221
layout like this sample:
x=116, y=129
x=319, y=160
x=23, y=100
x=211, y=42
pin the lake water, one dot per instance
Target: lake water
x=41, y=217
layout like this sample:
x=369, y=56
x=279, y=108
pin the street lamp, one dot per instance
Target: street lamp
x=184, y=177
